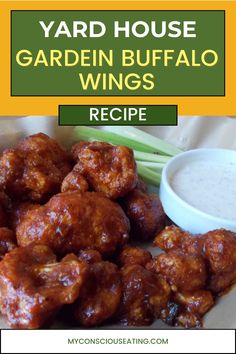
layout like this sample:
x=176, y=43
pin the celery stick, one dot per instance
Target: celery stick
x=148, y=175
x=152, y=165
x=88, y=133
x=156, y=144
x=144, y=156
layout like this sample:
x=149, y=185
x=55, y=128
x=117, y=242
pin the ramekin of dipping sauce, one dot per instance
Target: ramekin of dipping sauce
x=198, y=190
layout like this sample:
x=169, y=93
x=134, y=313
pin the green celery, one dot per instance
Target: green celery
x=153, y=165
x=148, y=175
x=150, y=157
x=88, y=133
x=154, y=143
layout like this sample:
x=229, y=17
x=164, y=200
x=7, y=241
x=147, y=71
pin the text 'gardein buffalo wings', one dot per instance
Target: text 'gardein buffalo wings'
x=68, y=221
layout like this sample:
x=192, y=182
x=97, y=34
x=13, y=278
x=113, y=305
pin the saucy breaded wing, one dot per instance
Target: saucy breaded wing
x=145, y=213
x=187, y=309
x=108, y=169
x=89, y=256
x=34, y=169
x=74, y=181
x=193, y=306
x=19, y=211
x=184, y=272
x=34, y=286
x=174, y=238
x=100, y=297
x=72, y=221
x=144, y=296
x=198, y=302
x=220, y=251
x=134, y=255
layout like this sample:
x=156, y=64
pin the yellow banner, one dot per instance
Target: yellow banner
x=221, y=105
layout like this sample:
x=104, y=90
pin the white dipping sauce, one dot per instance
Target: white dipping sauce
x=208, y=186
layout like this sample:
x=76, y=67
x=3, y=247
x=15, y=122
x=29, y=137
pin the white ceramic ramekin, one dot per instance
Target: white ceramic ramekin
x=178, y=210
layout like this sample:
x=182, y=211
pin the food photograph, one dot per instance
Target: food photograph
x=117, y=227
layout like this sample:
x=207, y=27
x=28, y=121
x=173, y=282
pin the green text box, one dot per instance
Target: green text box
x=130, y=115
x=168, y=81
